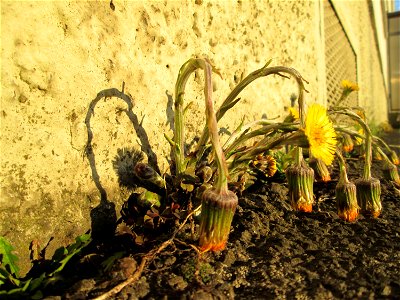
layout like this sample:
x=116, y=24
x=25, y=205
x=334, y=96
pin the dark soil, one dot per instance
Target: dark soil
x=273, y=252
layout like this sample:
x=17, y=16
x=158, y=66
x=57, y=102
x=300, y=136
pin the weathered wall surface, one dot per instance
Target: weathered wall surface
x=57, y=56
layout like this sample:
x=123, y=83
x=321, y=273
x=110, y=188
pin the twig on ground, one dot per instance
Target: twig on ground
x=147, y=258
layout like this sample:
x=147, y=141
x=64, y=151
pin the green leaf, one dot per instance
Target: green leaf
x=38, y=295
x=65, y=254
x=37, y=282
x=108, y=263
x=7, y=257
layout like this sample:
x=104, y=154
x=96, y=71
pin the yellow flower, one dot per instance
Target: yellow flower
x=349, y=86
x=359, y=140
x=294, y=113
x=320, y=134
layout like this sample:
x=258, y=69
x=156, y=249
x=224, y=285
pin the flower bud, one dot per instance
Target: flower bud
x=265, y=164
x=300, y=182
x=348, y=143
x=394, y=158
x=369, y=196
x=205, y=173
x=376, y=155
x=217, y=212
x=346, y=201
x=390, y=172
x=149, y=177
x=320, y=170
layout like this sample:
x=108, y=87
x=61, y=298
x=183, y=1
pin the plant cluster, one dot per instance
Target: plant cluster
x=213, y=173
x=205, y=182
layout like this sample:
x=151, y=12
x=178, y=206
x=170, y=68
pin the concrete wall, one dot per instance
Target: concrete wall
x=57, y=56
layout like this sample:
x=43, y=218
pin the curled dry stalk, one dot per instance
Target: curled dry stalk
x=146, y=260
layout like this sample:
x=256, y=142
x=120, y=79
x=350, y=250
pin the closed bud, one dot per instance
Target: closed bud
x=300, y=182
x=348, y=143
x=320, y=170
x=217, y=212
x=149, y=177
x=390, y=172
x=394, y=158
x=346, y=201
x=205, y=173
x=369, y=196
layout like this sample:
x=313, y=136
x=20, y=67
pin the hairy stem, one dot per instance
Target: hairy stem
x=186, y=70
x=368, y=139
x=231, y=100
x=342, y=168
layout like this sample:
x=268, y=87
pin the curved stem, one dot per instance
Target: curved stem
x=230, y=100
x=265, y=130
x=368, y=139
x=189, y=67
x=268, y=144
x=342, y=167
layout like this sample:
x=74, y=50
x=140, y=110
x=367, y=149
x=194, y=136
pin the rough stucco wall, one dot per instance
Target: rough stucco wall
x=355, y=17
x=56, y=57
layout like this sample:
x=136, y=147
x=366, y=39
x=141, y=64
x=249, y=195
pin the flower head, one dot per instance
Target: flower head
x=320, y=134
x=369, y=196
x=347, y=142
x=394, y=158
x=349, y=86
x=217, y=212
x=300, y=182
x=266, y=164
x=346, y=201
x=320, y=170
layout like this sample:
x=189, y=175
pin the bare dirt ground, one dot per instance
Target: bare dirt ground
x=273, y=252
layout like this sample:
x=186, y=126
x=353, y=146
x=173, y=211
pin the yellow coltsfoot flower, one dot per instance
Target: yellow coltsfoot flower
x=394, y=158
x=349, y=86
x=320, y=134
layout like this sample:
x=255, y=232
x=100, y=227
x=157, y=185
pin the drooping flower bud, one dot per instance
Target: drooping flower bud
x=216, y=217
x=376, y=155
x=346, y=201
x=149, y=177
x=369, y=196
x=300, y=182
x=348, y=144
x=320, y=170
x=394, y=158
x=390, y=172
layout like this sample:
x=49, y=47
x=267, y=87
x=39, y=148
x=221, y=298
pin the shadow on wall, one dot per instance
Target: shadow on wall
x=103, y=217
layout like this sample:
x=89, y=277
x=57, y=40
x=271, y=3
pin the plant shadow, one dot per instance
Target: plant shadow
x=103, y=217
